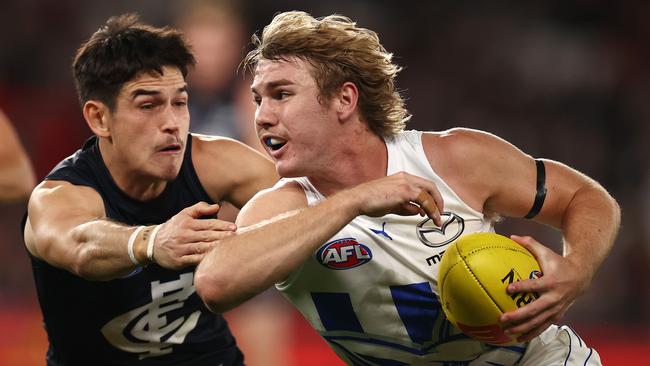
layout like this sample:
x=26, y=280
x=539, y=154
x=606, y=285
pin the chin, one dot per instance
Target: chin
x=288, y=171
x=169, y=173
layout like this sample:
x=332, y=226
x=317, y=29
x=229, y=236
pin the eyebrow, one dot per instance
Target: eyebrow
x=136, y=93
x=274, y=84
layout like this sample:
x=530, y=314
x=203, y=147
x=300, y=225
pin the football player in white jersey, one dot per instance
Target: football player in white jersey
x=341, y=237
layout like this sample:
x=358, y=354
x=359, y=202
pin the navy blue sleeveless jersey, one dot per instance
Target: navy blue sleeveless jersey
x=152, y=317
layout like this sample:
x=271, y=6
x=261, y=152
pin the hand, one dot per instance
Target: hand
x=402, y=194
x=562, y=282
x=185, y=238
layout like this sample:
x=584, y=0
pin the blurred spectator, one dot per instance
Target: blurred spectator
x=17, y=177
x=220, y=99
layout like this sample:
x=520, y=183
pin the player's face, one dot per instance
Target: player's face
x=295, y=129
x=150, y=124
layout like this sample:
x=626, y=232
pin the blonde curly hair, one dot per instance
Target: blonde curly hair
x=338, y=52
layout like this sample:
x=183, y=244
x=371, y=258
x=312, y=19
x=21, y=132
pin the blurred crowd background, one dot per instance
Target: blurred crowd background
x=565, y=80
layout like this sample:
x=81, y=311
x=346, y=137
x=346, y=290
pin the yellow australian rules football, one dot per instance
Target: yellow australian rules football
x=474, y=273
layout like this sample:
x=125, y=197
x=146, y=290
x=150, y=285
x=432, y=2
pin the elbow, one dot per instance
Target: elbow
x=215, y=289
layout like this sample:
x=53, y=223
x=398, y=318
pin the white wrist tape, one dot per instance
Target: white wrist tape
x=152, y=239
x=130, y=245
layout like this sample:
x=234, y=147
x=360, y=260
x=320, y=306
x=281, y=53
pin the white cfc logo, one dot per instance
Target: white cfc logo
x=152, y=325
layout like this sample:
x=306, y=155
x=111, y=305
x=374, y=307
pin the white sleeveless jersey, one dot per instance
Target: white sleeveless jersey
x=370, y=291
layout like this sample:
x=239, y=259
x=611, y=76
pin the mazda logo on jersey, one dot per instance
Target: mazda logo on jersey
x=436, y=236
x=343, y=254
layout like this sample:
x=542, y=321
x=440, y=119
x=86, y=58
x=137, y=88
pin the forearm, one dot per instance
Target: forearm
x=589, y=227
x=101, y=250
x=261, y=255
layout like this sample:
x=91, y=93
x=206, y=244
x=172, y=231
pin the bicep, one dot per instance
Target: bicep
x=56, y=209
x=271, y=203
x=562, y=184
x=514, y=186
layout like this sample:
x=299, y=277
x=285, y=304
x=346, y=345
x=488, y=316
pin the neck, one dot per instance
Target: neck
x=130, y=181
x=362, y=157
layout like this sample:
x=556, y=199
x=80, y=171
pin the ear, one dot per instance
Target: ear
x=96, y=115
x=347, y=98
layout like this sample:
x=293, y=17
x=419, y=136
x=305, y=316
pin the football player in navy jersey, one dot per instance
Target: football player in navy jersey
x=115, y=231
x=340, y=234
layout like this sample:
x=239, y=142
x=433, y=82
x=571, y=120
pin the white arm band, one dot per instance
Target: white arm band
x=152, y=239
x=130, y=245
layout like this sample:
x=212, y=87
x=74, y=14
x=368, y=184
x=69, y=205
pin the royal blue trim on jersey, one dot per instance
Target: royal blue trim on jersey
x=418, y=308
x=336, y=312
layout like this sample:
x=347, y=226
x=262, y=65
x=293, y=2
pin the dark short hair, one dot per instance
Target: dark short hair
x=122, y=49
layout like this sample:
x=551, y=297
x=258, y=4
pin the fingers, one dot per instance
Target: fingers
x=193, y=259
x=202, y=209
x=534, y=332
x=532, y=325
x=429, y=205
x=212, y=224
x=199, y=248
x=520, y=315
x=533, y=246
x=536, y=285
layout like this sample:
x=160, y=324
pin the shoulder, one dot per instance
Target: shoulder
x=53, y=204
x=229, y=169
x=461, y=141
x=474, y=163
x=283, y=197
x=54, y=194
x=226, y=157
x=464, y=147
x=206, y=146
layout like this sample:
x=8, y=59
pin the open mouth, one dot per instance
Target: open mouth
x=274, y=143
x=171, y=148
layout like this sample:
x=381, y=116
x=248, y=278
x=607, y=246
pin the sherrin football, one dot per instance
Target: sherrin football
x=474, y=273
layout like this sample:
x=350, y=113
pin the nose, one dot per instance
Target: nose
x=172, y=119
x=265, y=115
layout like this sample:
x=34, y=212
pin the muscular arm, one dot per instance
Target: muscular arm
x=500, y=179
x=16, y=173
x=67, y=227
x=76, y=237
x=279, y=233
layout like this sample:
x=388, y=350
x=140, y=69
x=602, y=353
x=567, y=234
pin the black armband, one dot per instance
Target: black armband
x=541, y=190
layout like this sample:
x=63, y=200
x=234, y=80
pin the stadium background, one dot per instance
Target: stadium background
x=566, y=80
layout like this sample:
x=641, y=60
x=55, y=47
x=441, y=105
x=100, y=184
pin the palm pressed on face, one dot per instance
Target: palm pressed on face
x=292, y=125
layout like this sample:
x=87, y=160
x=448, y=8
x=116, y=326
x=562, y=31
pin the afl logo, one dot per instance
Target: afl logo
x=433, y=236
x=343, y=254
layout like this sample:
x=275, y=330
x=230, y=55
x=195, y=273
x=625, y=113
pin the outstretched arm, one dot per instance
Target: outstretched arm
x=67, y=227
x=16, y=173
x=279, y=233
